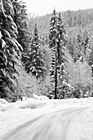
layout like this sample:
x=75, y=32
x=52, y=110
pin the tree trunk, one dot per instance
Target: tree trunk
x=56, y=72
x=56, y=82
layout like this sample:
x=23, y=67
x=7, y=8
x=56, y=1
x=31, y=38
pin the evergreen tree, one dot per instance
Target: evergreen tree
x=90, y=60
x=78, y=45
x=35, y=60
x=70, y=45
x=53, y=46
x=61, y=48
x=85, y=45
x=57, y=44
x=9, y=49
x=82, y=46
x=20, y=19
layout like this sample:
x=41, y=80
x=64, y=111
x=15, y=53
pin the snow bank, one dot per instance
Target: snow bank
x=4, y=105
x=42, y=101
x=32, y=103
x=40, y=97
x=3, y=101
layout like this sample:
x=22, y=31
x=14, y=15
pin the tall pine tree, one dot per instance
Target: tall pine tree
x=9, y=49
x=61, y=46
x=57, y=44
x=20, y=19
x=53, y=47
x=35, y=59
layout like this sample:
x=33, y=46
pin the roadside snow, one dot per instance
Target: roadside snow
x=15, y=114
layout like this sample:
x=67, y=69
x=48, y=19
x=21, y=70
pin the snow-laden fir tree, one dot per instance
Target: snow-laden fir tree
x=61, y=49
x=35, y=59
x=85, y=46
x=78, y=45
x=53, y=47
x=57, y=36
x=20, y=19
x=82, y=46
x=9, y=49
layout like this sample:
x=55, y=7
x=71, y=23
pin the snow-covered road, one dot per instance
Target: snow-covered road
x=74, y=123
x=39, y=118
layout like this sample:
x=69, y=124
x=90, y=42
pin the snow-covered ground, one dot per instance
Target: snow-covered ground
x=15, y=114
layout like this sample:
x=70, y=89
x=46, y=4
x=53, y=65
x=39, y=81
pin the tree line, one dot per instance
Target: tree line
x=20, y=47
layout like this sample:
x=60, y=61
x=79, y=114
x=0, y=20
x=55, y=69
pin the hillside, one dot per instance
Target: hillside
x=80, y=18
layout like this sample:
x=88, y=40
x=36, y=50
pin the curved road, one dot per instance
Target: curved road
x=56, y=125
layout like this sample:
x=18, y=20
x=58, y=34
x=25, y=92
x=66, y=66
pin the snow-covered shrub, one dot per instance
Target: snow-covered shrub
x=3, y=101
x=40, y=97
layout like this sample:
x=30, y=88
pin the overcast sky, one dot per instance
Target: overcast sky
x=42, y=7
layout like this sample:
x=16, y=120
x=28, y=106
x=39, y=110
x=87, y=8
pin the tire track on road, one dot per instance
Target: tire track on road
x=51, y=126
